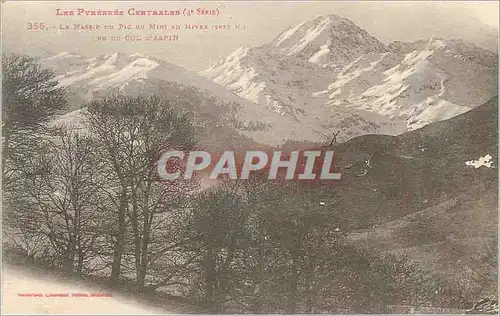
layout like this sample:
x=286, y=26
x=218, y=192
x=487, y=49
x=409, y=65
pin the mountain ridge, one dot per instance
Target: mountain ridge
x=87, y=78
x=410, y=84
x=361, y=87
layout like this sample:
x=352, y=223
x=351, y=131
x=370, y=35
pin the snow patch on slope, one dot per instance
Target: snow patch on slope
x=288, y=34
x=484, y=161
x=316, y=32
x=321, y=56
x=138, y=69
x=419, y=82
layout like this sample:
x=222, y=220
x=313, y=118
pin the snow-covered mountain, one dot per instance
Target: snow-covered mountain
x=314, y=79
x=286, y=74
x=419, y=82
x=288, y=85
x=331, y=73
x=329, y=41
x=87, y=78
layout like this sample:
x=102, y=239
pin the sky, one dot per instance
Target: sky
x=259, y=22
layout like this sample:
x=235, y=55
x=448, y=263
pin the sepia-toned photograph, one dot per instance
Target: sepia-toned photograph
x=249, y=157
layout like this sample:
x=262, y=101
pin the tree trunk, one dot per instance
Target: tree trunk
x=120, y=242
x=70, y=255
x=68, y=264
x=141, y=278
x=143, y=268
x=81, y=258
x=137, y=245
x=211, y=296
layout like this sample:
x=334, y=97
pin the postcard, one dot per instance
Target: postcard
x=249, y=157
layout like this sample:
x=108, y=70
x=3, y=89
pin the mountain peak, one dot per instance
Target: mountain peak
x=327, y=40
x=329, y=19
x=242, y=51
x=322, y=23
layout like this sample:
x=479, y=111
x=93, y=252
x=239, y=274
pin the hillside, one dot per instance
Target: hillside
x=431, y=193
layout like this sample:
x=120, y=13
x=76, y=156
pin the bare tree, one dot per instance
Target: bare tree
x=59, y=196
x=133, y=132
x=30, y=97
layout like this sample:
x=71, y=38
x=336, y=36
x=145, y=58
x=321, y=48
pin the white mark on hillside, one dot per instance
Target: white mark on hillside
x=485, y=161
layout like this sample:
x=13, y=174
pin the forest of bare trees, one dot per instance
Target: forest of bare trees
x=88, y=200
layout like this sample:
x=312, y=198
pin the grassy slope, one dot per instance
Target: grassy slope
x=404, y=178
x=428, y=203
